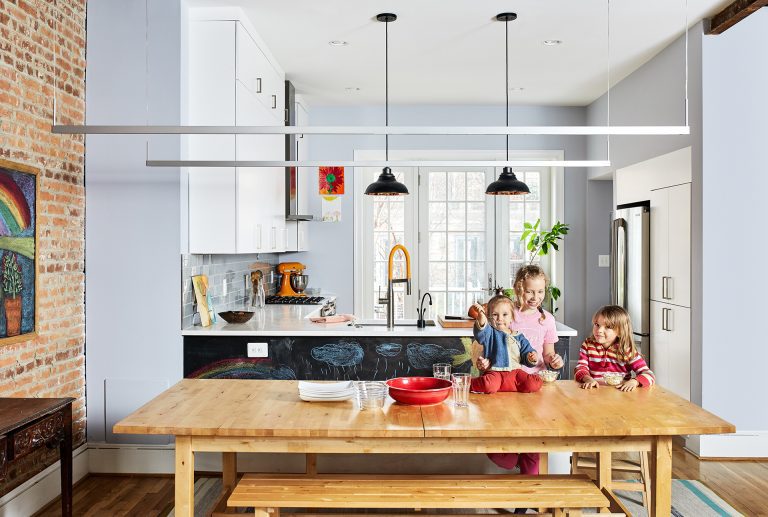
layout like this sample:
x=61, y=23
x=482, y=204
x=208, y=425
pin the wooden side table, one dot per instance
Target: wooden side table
x=29, y=423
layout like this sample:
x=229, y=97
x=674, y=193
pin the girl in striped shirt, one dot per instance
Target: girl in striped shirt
x=612, y=349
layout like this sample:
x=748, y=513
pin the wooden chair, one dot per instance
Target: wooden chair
x=581, y=463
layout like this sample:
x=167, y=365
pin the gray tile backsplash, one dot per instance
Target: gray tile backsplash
x=228, y=282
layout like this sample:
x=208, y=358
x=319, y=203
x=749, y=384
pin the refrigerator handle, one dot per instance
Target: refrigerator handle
x=619, y=262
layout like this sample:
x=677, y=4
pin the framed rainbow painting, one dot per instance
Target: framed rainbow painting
x=18, y=252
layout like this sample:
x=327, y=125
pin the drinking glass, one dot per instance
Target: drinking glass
x=370, y=395
x=461, y=384
x=441, y=371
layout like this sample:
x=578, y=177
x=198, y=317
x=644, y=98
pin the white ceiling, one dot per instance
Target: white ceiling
x=452, y=51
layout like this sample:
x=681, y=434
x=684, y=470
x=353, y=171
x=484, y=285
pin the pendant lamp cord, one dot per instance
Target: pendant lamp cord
x=506, y=62
x=386, y=88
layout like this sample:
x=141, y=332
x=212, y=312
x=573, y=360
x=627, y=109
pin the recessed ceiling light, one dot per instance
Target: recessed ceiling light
x=338, y=43
x=351, y=89
x=516, y=89
x=552, y=42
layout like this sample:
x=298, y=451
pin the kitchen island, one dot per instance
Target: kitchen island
x=297, y=348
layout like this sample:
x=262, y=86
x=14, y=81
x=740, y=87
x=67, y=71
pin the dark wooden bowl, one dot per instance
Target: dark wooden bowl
x=236, y=316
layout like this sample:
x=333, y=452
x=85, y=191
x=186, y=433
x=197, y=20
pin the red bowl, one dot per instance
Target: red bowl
x=419, y=391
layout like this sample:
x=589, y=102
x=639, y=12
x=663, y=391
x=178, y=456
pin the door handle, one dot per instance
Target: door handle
x=665, y=319
x=258, y=85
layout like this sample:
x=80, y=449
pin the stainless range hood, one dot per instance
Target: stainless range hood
x=292, y=190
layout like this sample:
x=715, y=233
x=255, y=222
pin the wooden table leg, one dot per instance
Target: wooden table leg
x=603, y=472
x=65, y=453
x=661, y=476
x=185, y=478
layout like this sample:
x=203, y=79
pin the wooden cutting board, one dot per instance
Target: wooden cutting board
x=454, y=324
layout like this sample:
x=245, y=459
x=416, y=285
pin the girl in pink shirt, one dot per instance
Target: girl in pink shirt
x=538, y=326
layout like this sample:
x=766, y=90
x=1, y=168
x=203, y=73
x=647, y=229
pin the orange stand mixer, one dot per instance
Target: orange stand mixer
x=288, y=270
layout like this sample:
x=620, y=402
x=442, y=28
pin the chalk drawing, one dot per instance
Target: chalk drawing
x=421, y=356
x=389, y=349
x=339, y=354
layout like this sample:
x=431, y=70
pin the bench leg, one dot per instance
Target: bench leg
x=604, y=476
x=267, y=512
x=575, y=512
x=645, y=474
x=558, y=512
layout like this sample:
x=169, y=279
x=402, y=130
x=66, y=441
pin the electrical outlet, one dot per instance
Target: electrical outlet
x=603, y=261
x=257, y=350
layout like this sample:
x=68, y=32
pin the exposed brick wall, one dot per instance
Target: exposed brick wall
x=40, y=40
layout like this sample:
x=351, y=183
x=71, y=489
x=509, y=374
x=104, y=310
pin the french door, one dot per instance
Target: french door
x=463, y=243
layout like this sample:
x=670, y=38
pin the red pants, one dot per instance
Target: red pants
x=517, y=380
x=527, y=461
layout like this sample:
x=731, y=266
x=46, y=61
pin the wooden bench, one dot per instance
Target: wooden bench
x=268, y=493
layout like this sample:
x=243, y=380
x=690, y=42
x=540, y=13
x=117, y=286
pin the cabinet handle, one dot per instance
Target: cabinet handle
x=274, y=102
x=665, y=287
x=665, y=320
x=258, y=85
x=258, y=236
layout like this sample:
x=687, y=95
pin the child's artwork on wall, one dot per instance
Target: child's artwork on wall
x=18, y=252
x=331, y=209
x=331, y=181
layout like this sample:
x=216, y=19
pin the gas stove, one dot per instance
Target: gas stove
x=295, y=300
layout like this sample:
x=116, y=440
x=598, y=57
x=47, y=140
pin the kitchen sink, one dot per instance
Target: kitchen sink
x=383, y=323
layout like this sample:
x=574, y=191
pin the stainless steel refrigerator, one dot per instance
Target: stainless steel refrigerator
x=631, y=269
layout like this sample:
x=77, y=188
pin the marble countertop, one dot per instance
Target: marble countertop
x=293, y=320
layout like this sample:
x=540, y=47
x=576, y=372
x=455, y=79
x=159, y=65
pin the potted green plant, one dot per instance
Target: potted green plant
x=12, y=286
x=540, y=242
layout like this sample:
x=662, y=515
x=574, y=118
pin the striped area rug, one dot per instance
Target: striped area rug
x=689, y=499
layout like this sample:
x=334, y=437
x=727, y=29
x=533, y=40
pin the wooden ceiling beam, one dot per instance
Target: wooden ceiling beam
x=732, y=15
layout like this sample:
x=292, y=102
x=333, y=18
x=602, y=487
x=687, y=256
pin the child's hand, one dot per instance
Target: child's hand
x=480, y=318
x=483, y=363
x=555, y=361
x=629, y=385
x=588, y=382
x=533, y=357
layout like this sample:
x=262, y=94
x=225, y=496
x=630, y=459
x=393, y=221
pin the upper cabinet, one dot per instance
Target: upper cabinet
x=671, y=245
x=231, y=82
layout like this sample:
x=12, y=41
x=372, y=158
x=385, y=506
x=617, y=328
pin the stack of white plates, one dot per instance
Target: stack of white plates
x=325, y=391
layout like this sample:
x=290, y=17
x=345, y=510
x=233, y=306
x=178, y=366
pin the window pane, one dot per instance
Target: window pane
x=437, y=216
x=381, y=245
x=456, y=246
x=437, y=246
x=397, y=215
x=517, y=249
x=476, y=246
x=456, y=186
x=437, y=186
x=456, y=303
x=380, y=276
x=476, y=297
x=532, y=212
x=457, y=216
x=516, y=216
x=457, y=276
x=381, y=215
x=475, y=186
x=476, y=216
x=533, y=181
x=513, y=267
x=475, y=274
x=395, y=238
x=437, y=275
x=438, y=303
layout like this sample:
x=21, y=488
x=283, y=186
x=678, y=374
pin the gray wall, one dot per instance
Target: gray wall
x=735, y=134
x=133, y=343
x=330, y=260
x=597, y=279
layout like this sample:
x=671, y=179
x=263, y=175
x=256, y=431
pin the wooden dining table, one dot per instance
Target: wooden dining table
x=231, y=416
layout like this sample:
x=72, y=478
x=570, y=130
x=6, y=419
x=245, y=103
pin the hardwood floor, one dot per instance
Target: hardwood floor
x=743, y=484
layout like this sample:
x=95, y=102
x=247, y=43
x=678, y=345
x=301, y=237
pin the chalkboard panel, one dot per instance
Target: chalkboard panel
x=329, y=357
x=322, y=357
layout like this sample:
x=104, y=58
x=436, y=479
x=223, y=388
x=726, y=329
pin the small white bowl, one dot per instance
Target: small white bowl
x=548, y=375
x=613, y=378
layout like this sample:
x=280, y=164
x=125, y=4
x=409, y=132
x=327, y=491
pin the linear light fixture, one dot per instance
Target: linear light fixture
x=380, y=163
x=370, y=130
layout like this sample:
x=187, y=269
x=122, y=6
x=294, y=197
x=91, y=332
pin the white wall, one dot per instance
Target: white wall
x=330, y=260
x=133, y=306
x=735, y=79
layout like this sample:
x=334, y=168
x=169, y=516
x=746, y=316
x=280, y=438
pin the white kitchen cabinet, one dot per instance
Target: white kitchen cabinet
x=671, y=347
x=233, y=210
x=671, y=245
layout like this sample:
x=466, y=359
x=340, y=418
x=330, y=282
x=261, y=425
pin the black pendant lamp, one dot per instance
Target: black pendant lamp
x=386, y=185
x=507, y=184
